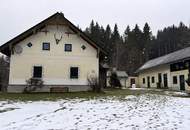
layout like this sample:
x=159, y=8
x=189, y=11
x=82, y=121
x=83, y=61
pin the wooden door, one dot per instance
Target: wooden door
x=132, y=81
x=165, y=81
x=148, y=82
x=182, y=82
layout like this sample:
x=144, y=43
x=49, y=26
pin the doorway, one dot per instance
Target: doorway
x=165, y=81
x=148, y=82
x=132, y=81
x=159, y=78
x=182, y=82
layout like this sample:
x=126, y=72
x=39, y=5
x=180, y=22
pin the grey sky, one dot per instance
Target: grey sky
x=19, y=15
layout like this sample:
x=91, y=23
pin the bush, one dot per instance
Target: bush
x=114, y=80
x=93, y=83
x=33, y=84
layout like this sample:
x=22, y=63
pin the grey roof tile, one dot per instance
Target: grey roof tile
x=166, y=59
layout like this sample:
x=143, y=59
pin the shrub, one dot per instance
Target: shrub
x=93, y=83
x=33, y=84
x=114, y=80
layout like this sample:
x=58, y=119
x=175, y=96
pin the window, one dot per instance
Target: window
x=68, y=47
x=74, y=72
x=143, y=80
x=174, y=79
x=37, y=72
x=29, y=44
x=46, y=46
x=153, y=80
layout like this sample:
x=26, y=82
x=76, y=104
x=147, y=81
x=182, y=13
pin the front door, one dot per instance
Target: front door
x=132, y=81
x=182, y=82
x=165, y=81
x=148, y=82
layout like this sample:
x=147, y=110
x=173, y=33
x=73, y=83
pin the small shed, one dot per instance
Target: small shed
x=122, y=76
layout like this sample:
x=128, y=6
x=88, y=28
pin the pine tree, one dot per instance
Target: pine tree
x=115, y=35
x=107, y=35
x=115, y=40
x=146, y=42
x=126, y=34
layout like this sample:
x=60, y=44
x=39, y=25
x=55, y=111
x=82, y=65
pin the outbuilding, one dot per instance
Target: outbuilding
x=168, y=71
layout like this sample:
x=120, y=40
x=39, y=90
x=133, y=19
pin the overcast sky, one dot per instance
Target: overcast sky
x=18, y=15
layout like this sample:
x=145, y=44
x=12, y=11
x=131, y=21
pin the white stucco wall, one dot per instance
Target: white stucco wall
x=178, y=73
x=153, y=72
x=123, y=82
x=56, y=63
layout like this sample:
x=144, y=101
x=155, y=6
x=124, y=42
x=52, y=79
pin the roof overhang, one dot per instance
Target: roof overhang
x=169, y=63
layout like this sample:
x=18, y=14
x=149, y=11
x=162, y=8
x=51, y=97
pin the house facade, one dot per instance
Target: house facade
x=55, y=51
x=169, y=71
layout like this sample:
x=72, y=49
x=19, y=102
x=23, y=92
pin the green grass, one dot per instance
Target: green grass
x=87, y=95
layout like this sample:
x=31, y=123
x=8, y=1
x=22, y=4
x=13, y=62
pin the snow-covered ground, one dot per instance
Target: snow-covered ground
x=148, y=111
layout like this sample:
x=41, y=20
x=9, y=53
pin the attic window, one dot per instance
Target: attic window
x=29, y=44
x=68, y=47
x=186, y=64
x=46, y=46
x=83, y=47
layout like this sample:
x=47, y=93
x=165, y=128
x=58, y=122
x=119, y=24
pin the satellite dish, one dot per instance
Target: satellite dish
x=18, y=49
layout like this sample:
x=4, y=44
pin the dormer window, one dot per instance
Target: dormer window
x=46, y=46
x=68, y=47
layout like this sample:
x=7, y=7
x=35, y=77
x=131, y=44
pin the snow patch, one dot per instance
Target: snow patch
x=148, y=111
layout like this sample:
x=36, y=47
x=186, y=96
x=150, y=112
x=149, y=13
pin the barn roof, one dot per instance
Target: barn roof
x=57, y=18
x=173, y=57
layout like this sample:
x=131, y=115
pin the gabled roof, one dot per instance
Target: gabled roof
x=57, y=18
x=121, y=74
x=167, y=59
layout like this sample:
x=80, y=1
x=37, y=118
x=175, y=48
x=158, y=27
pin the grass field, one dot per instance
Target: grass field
x=88, y=95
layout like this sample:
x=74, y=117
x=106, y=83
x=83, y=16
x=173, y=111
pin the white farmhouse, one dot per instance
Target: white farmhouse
x=57, y=52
